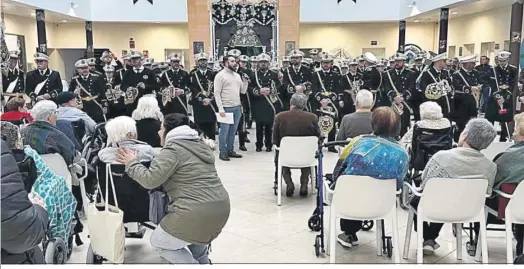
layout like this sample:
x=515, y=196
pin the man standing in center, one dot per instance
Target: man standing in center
x=228, y=85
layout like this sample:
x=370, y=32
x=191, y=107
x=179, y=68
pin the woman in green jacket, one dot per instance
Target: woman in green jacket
x=185, y=167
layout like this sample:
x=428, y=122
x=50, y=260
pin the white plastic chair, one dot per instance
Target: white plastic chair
x=514, y=214
x=296, y=152
x=347, y=204
x=495, y=148
x=453, y=201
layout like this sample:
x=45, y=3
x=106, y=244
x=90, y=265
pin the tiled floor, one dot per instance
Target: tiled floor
x=258, y=231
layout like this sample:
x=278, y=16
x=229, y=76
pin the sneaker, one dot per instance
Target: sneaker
x=354, y=239
x=345, y=240
x=233, y=154
x=303, y=190
x=429, y=247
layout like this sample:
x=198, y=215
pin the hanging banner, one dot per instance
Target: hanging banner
x=338, y=1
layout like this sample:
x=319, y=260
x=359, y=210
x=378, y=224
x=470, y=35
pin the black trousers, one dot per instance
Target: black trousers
x=264, y=133
x=504, y=132
x=431, y=230
x=350, y=227
x=242, y=134
x=208, y=128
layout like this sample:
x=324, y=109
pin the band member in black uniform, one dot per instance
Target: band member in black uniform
x=175, y=83
x=204, y=106
x=361, y=64
x=417, y=96
x=315, y=64
x=127, y=65
x=486, y=76
x=326, y=87
x=114, y=95
x=296, y=78
x=109, y=59
x=391, y=63
x=466, y=82
x=440, y=90
x=92, y=67
x=350, y=84
x=263, y=89
x=90, y=92
x=322, y=55
x=372, y=78
x=137, y=82
x=500, y=104
x=399, y=84
x=43, y=83
x=286, y=62
x=12, y=77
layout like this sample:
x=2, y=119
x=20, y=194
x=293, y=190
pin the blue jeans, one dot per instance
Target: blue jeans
x=177, y=251
x=226, y=137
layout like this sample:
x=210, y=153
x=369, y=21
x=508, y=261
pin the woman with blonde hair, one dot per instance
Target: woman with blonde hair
x=431, y=117
x=148, y=119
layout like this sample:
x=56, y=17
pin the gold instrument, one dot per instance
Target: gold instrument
x=271, y=97
x=354, y=88
x=166, y=96
x=399, y=108
x=113, y=95
x=78, y=98
x=438, y=89
x=130, y=95
x=326, y=121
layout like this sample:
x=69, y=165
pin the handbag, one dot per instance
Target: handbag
x=158, y=202
x=106, y=225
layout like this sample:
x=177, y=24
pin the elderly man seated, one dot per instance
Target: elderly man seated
x=43, y=135
x=295, y=122
x=465, y=161
x=68, y=111
x=431, y=117
x=358, y=122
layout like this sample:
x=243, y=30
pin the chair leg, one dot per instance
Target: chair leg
x=409, y=228
x=420, y=238
x=378, y=224
x=458, y=229
x=313, y=180
x=332, y=235
x=328, y=243
x=279, y=186
x=478, y=248
x=484, y=241
x=509, y=237
x=396, y=244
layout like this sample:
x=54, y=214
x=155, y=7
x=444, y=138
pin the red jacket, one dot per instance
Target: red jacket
x=16, y=116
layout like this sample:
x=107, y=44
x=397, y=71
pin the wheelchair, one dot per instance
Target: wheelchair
x=425, y=143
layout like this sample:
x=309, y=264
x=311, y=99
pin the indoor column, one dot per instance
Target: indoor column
x=199, y=28
x=515, y=41
x=288, y=25
x=443, y=33
x=401, y=36
x=40, y=31
x=90, y=53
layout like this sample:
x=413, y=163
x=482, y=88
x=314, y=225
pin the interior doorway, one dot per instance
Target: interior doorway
x=378, y=52
x=469, y=49
x=487, y=49
x=452, y=51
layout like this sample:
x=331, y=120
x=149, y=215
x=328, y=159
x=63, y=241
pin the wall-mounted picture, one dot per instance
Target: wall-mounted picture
x=290, y=45
x=198, y=46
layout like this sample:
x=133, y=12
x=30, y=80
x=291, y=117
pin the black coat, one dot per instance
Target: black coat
x=373, y=81
x=264, y=108
x=346, y=82
x=24, y=224
x=131, y=79
x=404, y=83
x=178, y=79
x=292, y=78
x=330, y=90
x=53, y=85
x=202, y=88
x=116, y=107
x=465, y=102
x=89, y=88
x=427, y=79
x=10, y=76
x=147, y=131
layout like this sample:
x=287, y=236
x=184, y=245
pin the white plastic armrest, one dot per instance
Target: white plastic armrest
x=83, y=160
x=277, y=148
x=503, y=194
x=327, y=189
x=399, y=191
x=414, y=190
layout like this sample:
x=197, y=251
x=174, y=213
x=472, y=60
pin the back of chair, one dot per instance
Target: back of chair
x=516, y=203
x=451, y=200
x=427, y=142
x=495, y=148
x=58, y=165
x=298, y=151
x=79, y=129
x=364, y=197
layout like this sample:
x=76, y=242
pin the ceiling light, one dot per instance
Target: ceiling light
x=454, y=13
x=157, y=22
x=33, y=14
x=64, y=20
x=416, y=21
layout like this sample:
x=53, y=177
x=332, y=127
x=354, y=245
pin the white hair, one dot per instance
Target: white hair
x=479, y=133
x=43, y=110
x=364, y=99
x=120, y=129
x=147, y=108
x=430, y=111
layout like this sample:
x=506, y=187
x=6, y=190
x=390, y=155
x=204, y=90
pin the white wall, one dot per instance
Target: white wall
x=83, y=9
x=348, y=11
x=142, y=11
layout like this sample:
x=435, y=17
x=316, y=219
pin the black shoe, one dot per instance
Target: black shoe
x=332, y=149
x=303, y=191
x=269, y=149
x=247, y=140
x=242, y=148
x=223, y=157
x=259, y=149
x=234, y=155
x=290, y=190
x=247, y=132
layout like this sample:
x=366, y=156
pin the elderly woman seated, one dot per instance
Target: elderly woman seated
x=148, y=120
x=11, y=135
x=16, y=111
x=43, y=135
x=377, y=155
x=465, y=161
x=122, y=132
x=431, y=117
x=510, y=168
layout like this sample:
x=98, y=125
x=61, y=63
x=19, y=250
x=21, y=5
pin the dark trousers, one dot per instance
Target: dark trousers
x=304, y=177
x=242, y=134
x=208, y=128
x=431, y=230
x=504, y=132
x=350, y=227
x=405, y=122
x=264, y=133
x=460, y=129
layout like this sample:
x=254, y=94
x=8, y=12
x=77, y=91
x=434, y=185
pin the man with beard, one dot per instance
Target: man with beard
x=88, y=87
x=326, y=87
x=436, y=74
x=107, y=59
x=175, y=83
x=115, y=97
x=204, y=107
x=43, y=83
x=92, y=67
x=127, y=65
x=12, y=77
x=500, y=104
x=266, y=103
x=486, y=74
x=372, y=77
x=350, y=83
x=296, y=78
x=466, y=82
x=399, y=85
x=137, y=82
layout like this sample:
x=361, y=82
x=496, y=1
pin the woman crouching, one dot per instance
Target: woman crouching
x=185, y=167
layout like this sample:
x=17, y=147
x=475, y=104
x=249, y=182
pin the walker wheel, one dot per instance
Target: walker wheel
x=70, y=247
x=471, y=248
x=317, y=246
x=314, y=223
x=367, y=225
x=389, y=247
x=55, y=251
x=93, y=258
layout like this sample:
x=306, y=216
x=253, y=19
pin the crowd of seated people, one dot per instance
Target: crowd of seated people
x=16, y=111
